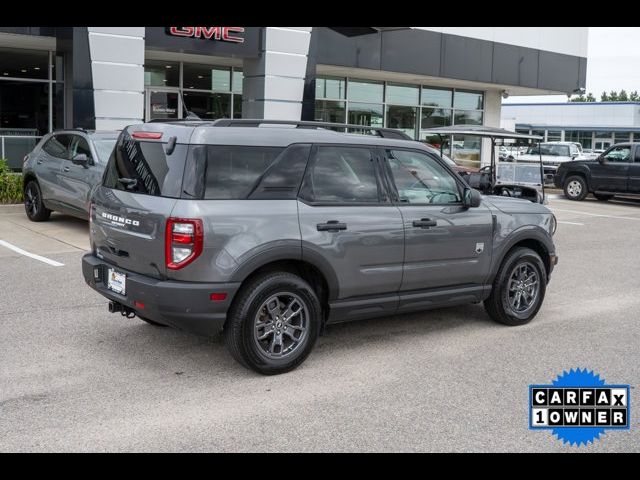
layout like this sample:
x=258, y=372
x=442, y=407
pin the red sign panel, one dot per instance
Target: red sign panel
x=224, y=34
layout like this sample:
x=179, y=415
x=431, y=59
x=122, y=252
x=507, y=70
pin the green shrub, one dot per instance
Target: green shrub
x=10, y=184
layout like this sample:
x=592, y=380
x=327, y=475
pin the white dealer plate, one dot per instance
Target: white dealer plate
x=117, y=282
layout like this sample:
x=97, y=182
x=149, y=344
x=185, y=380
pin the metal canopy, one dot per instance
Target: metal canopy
x=480, y=131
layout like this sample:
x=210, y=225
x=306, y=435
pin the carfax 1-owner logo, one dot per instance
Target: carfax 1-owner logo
x=578, y=407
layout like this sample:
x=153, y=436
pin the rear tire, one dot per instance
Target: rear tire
x=602, y=197
x=515, y=279
x=274, y=323
x=575, y=188
x=33, y=203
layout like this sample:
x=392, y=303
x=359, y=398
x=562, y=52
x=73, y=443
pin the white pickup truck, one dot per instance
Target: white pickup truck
x=552, y=154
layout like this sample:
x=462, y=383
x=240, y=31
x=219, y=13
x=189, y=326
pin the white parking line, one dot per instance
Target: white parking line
x=594, y=214
x=48, y=261
x=571, y=223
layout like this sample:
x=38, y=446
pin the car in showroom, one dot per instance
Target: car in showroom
x=61, y=171
x=268, y=230
x=614, y=172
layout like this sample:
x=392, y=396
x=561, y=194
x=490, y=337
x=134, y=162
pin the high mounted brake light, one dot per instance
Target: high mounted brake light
x=184, y=238
x=147, y=135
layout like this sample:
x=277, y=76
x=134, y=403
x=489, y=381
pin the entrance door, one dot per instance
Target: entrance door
x=162, y=104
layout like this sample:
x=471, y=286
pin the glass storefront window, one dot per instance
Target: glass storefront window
x=161, y=73
x=209, y=106
x=206, y=77
x=436, y=117
x=437, y=97
x=24, y=106
x=468, y=100
x=402, y=94
x=332, y=88
x=621, y=137
x=238, y=77
x=402, y=118
x=554, y=135
x=583, y=138
x=237, y=106
x=469, y=117
x=20, y=63
x=330, y=111
x=365, y=114
x=365, y=91
x=163, y=105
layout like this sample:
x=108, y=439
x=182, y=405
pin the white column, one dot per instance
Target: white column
x=274, y=83
x=117, y=65
x=492, y=113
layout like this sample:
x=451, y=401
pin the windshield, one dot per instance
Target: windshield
x=104, y=147
x=553, y=150
x=449, y=161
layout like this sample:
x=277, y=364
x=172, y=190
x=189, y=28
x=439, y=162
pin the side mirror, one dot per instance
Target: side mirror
x=601, y=159
x=471, y=198
x=81, y=159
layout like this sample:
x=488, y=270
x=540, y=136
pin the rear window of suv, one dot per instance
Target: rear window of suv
x=144, y=167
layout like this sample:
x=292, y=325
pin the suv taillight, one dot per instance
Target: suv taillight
x=183, y=242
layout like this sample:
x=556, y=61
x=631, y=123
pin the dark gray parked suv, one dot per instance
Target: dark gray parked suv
x=270, y=232
x=61, y=171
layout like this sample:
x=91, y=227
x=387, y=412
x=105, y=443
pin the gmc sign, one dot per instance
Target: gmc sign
x=224, y=34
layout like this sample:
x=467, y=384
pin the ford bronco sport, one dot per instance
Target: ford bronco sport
x=268, y=232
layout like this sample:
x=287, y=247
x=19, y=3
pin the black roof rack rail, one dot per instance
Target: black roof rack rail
x=179, y=120
x=246, y=122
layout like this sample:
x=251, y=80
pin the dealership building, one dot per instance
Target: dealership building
x=410, y=78
x=596, y=125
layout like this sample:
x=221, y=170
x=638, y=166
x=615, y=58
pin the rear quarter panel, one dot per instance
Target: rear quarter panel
x=239, y=236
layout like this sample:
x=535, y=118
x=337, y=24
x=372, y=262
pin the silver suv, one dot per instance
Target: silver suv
x=61, y=171
x=270, y=232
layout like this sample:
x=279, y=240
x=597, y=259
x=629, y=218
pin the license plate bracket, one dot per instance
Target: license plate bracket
x=116, y=281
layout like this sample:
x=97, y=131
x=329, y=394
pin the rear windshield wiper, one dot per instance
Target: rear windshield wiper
x=129, y=183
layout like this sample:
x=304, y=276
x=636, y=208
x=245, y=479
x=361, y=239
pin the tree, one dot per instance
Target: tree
x=604, y=97
x=590, y=97
x=579, y=98
x=622, y=96
x=634, y=96
x=613, y=96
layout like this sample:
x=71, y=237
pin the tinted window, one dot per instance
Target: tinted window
x=58, y=146
x=143, y=167
x=341, y=175
x=619, y=154
x=79, y=145
x=419, y=178
x=216, y=172
x=282, y=180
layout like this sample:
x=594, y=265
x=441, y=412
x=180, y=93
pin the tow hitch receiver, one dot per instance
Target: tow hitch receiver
x=125, y=311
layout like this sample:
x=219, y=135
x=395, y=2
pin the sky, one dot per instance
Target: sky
x=613, y=63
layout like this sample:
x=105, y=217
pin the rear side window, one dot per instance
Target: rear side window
x=341, y=175
x=144, y=167
x=226, y=172
x=58, y=146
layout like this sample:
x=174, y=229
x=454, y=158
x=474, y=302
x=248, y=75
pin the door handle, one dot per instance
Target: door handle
x=331, y=226
x=39, y=162
x=66, y=169
x=425, y=223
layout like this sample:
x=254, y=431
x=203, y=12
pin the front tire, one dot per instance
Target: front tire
x=274, y=323
x=575, y=188
x=33, y=203
x=518, y=289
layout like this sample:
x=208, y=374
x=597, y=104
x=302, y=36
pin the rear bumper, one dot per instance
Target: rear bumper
x=183, y=305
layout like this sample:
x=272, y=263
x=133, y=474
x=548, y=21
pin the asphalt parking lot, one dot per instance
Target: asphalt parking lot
x=75, y=378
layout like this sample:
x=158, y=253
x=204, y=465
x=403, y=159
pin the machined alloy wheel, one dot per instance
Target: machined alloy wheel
x=523, y=289
x=575, y=187
x=281, y=325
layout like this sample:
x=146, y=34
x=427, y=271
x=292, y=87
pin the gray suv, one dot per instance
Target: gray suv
x=270, y=232
x=61, y=171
